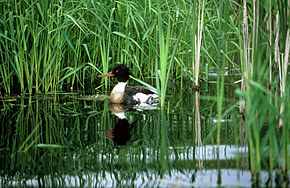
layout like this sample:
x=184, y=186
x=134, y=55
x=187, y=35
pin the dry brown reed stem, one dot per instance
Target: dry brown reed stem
x=254, y=36
x=246, y=52
x=245, y=67
x=197, y=124
x=197, y=41
x=276, y=54
x=270, y=44
x=255, y=32
x=283, y=74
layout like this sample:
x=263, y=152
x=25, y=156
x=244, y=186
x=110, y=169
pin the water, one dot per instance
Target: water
x=67, y=140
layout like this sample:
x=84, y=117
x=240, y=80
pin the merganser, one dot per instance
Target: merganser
x=129, y=95
x=121, y=133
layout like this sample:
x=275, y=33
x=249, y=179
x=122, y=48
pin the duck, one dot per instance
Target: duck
x=121, y=133
x=121, y=94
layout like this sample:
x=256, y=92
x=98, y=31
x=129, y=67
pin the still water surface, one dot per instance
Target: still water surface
x=67, y=140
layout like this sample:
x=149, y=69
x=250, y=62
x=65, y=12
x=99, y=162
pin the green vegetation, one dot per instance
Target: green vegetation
x=52, y=140
x=54, y=46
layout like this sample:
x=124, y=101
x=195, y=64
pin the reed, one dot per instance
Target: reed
x=283, y=75
x=162, y=68
x=197, y=41
x=255, y=62
x=245, y=59
x=59, y=46
x=105, y=57
x=58, y=41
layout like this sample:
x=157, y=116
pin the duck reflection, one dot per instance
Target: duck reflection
x=121, y=134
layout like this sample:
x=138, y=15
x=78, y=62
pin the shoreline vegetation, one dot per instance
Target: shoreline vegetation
x=62, y=46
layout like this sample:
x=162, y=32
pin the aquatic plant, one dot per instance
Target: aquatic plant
x=60, y=46
x=257, y=85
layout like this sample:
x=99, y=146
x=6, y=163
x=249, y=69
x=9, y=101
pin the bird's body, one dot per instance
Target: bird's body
x=129, y=95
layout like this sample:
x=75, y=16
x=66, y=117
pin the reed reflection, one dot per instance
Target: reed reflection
x=197, y=126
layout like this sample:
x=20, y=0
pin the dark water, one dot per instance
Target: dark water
x=67, y=140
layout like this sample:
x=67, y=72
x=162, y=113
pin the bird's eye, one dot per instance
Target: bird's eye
x=117, y=71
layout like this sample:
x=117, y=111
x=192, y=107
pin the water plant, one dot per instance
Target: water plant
x=59, y=46
x=256, y=55
x=163, y=67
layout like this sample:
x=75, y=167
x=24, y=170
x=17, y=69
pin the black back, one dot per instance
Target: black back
x=138, y=89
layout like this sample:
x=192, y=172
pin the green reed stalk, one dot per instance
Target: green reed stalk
x=254, y=125
x=18, y=65
x=161, y=68
x=104, y=48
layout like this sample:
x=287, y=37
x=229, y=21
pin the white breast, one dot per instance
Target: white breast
x=120, y=87
x=118, y=93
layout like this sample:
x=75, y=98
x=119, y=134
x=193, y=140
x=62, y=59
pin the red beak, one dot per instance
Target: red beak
x=110, y=74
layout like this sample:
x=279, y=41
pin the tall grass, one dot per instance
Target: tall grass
x=56, y=46
x=257, y=62
x=58, y=42
x=162, y=68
